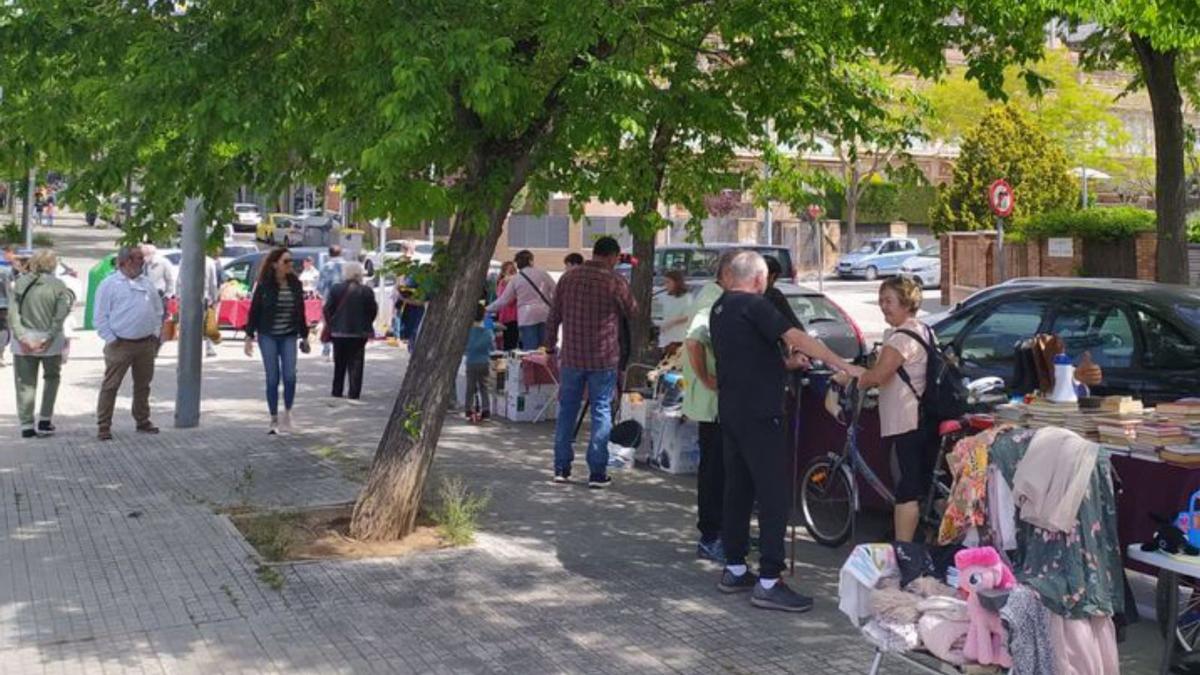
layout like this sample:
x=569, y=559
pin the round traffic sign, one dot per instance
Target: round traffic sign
x=814, y=211
x=1000, y=198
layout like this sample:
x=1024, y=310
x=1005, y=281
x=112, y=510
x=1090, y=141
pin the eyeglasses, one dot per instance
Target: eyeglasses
x=285, y=260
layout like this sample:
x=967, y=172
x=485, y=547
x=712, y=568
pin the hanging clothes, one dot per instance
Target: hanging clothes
x=1084, y=646
x=1002, y=510
x=1052, y=478
x=1029, y=633
x=966, y=507
x=1079, y=574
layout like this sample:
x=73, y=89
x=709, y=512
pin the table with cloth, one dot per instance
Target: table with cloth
x=234, y=313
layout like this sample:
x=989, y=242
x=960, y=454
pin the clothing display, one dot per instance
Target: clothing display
x=1084, y=646
x=1002, y=510
x=966, y=508
x=1028, y=624
x=1052, y=477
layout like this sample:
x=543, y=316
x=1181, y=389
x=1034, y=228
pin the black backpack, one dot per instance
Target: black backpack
x=945, y=396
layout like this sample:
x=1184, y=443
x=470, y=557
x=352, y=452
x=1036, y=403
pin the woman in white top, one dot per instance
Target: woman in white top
x=676, y=312
x=903, y=357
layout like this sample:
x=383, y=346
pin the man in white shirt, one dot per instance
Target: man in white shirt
x=534, y=290
x=128, y=317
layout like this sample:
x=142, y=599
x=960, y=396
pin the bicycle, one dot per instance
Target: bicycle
x=829, y=490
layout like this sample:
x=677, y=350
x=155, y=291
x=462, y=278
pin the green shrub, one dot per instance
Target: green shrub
x=457, y=514
x=1118, y=222
x=1193, y=228
x=12, y=234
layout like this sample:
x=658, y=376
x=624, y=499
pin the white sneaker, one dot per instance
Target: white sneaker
x=211, y=352
x=273, y=430
x=285, y=422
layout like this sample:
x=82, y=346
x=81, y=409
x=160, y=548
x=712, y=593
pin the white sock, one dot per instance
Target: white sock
x=768, y=583
x=736, y=570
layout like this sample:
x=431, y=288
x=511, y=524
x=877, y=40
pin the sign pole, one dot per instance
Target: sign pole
x=999, y=250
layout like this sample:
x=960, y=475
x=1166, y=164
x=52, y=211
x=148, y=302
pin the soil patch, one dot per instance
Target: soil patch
x=324, y=533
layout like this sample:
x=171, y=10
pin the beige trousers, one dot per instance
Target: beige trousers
x=120, y=356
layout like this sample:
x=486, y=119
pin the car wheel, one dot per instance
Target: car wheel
x=872, y=273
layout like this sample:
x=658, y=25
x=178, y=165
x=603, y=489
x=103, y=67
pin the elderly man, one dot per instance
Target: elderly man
x=160, y=271
x=589, y=305
x=747, y=332
x=128, y=317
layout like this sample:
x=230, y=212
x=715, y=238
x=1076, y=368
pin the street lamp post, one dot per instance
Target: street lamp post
x=191, y=316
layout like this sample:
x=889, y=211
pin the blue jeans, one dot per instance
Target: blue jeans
x=600, y=385
x=279, y=358
x=532, y=336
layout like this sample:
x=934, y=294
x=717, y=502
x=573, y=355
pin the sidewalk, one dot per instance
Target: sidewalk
x=118, y=562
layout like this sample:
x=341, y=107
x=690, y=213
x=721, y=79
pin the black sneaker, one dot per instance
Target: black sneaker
x=28, y=433
x=45, y=428
x=599, y=482
x=711, y=550
x=734, y=584
x=780, y=597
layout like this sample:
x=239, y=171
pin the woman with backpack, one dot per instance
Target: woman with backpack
x=899, y=372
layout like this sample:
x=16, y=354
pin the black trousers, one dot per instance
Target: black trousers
x=757, y=466
x=512, y=336
x=348, y=355
x=710, y=482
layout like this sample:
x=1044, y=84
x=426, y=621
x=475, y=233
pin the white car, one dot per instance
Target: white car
x=925, y=267
x=246, y=217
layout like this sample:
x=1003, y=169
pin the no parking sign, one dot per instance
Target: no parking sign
x=1000, y=198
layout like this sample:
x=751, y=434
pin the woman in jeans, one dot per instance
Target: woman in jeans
x=508, y=313
x=277, y=319
x=350, y=314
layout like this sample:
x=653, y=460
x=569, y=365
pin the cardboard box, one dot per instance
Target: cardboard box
x=528, y=405
x=674, y=442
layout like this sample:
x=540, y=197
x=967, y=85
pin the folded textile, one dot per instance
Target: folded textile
x=944, y=638
x=864, y=569
x=946, y=608
x=895, y=606
x=1052, y=478
x=929, y=587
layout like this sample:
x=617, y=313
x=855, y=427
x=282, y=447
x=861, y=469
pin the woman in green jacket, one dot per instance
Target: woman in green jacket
x=38, y=306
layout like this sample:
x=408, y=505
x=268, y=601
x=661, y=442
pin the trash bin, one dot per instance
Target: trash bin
x=98, y=273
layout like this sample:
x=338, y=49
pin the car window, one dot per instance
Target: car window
x=814, y=308
x=784, y=258
x=239, y=271
x=394, y=247
x=934, y=251
x=868, y=247
x=1097, y=327
x=949, y=330
x=991, y=340
x=703, y=263
x=1166, y=347
x=674, y=260
x=1189, y=312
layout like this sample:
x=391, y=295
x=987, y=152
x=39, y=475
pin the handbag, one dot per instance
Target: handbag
x=326, y=330
x=212, y=329
x=169, y=329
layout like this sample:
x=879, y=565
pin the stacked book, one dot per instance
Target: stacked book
x=1185, y=413
x=1117, y=430
x=1113, y=405
x=1154, y=436
x=1183, y=455
x=1046, y=413
x=1085, y=423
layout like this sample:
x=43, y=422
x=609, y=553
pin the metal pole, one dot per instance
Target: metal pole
x=767, y=217
x=1085, y=196
x=820, y=254
x=1000, y=250
x=191, y=316
x=27, y=206
x=128, y=198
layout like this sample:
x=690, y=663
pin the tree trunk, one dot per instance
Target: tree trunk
x=851, y=220
x=642, y=286
x=1170, y=199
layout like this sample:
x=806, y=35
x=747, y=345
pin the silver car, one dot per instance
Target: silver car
x=925, y=268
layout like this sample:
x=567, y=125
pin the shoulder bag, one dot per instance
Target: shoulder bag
x=536, y=289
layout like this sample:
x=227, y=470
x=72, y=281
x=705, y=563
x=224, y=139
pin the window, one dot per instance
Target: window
x=1100, y=328
x=991, y=341
x=784, y=258
x=527, y=231
x=1166, y=347
x=239, y=271
x=814, y=309
x=595, y=227
x=676, y=259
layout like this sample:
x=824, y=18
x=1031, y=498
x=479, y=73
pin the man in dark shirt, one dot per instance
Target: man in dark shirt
x=751, y=374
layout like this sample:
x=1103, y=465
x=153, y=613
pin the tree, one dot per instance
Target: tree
x=1005, y=144
x=1158, y=40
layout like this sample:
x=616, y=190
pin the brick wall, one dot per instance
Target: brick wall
x=1146, y=246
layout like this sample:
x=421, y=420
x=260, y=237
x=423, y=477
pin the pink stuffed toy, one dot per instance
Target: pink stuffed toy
x=980, y=569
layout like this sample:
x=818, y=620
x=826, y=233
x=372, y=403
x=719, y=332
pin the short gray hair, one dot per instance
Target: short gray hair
x=124, y=252
x=353, y=271
x=723, y=261
x=746, y=266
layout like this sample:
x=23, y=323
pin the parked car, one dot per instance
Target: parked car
x=118, y=202
x=1145, y=336
x=877, y=257
x=245, y=268
x=699, y=263
x=265, y=232
x=925, y=268
x=246, y=217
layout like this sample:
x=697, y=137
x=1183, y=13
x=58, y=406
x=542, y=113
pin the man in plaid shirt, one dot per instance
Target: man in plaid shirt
x=588, y=304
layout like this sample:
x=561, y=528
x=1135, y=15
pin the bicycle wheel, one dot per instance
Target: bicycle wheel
x=827, y=502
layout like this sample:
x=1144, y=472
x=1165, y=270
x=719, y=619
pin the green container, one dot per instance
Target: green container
x=98, y=273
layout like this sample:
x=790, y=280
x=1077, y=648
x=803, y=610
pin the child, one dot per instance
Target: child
x=479, y=366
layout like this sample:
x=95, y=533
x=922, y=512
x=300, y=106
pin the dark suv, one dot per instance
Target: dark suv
x=700, y=262
x=1145, y=336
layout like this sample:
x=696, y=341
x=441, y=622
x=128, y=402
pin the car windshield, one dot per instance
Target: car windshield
x=868, y=247
x=394, y=247
x=425, y=249
x=814, y=308
x=934, y=251
x=246, y=208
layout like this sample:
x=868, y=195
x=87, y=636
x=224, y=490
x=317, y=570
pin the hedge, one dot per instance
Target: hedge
x=1118, y=222
x=889, y=202
x=1193, y=228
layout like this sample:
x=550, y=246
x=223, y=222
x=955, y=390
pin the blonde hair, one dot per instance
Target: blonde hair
x=43, y=261
x=907, y=291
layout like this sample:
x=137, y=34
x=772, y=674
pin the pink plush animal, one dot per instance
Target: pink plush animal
x=980, y=569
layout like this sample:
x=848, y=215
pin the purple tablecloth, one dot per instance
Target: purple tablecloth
x=1149, y=487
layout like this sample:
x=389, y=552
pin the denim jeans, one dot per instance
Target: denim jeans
x=532, y=336
x=279, y=358
x=600, y=385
